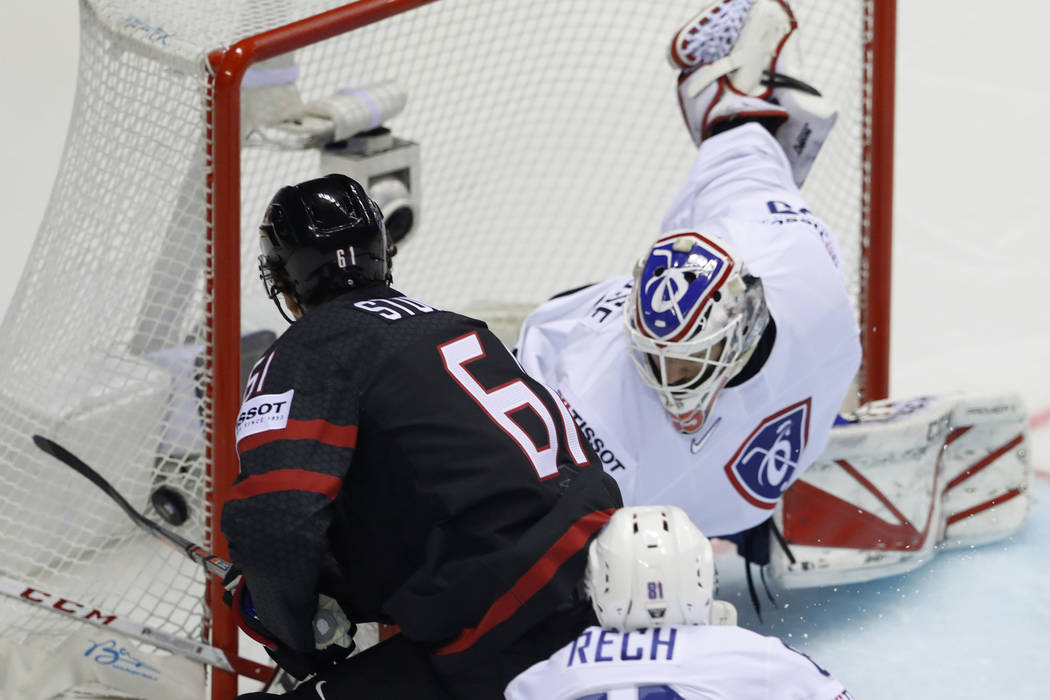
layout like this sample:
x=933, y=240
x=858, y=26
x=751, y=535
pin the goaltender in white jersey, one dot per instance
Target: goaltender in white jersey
x=772, y=416
x=741, y=345
x=741, y=341
x=651, y=577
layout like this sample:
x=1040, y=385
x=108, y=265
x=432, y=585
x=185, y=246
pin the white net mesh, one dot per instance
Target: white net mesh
x=551, y=143
x=551, y=139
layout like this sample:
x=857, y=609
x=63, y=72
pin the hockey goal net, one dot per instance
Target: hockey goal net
x=545, y=142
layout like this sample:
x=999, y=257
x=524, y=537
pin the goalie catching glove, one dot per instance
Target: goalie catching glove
x=740, y=60
x=333, y=632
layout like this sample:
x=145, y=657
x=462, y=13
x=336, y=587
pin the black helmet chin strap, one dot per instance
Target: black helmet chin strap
x=280, y=307
x=271, y=288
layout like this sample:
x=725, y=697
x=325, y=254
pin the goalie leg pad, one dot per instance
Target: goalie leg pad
x=869, y=507
x=903, y=480
x=988, y=472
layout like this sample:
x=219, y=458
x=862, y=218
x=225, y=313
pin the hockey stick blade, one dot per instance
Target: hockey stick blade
x=198, y=651
x=212, y=563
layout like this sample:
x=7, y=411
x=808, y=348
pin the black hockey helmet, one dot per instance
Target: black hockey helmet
x=321, y=237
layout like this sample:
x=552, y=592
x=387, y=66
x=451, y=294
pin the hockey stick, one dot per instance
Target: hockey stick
x=198, y=651
x=212, y=563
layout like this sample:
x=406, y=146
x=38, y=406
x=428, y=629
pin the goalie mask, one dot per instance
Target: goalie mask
x=650, y=567
x=321, y=237
x=693, y=320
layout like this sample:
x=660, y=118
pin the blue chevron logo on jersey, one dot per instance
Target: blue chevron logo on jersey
x=675, y=285
x=765, y=465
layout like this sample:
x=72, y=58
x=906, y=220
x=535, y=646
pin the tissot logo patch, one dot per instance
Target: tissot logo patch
x=765, y=464
x=264, y=412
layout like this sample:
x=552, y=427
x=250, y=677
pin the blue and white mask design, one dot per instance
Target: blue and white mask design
x=677, y=283
x=692, y=322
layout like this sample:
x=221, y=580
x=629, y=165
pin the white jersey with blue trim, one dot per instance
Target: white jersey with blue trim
x=762, y=433
x=688, y=662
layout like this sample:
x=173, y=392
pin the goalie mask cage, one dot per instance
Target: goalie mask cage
x=551, y=143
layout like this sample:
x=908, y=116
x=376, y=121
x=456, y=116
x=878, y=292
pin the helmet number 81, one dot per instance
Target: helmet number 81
x=340, y=256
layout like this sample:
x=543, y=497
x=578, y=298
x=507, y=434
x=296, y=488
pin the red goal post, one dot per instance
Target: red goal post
x=877, y=202
x=224, y=231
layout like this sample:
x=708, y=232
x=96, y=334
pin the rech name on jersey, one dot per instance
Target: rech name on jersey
x=642, y=645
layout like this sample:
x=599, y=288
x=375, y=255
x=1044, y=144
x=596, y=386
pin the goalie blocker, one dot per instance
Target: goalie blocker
x=901, y=480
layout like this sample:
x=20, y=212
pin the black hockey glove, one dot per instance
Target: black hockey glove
x=239, y=600
x=394, y=669
x=753, y=544
x=303, y=664
x=298, y=664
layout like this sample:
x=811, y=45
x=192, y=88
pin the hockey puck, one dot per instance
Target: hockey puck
x=170, y=505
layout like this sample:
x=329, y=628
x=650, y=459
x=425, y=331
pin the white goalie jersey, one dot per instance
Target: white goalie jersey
x=762, y=433
x=674, y=663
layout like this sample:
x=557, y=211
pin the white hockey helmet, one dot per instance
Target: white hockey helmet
x=650, y=567
x=693, y=319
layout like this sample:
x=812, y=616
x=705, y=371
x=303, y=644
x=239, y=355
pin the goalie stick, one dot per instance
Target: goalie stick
x=212, y=563
x=198, y=651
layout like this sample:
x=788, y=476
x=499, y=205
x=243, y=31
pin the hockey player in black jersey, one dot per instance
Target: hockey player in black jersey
x=395, y=458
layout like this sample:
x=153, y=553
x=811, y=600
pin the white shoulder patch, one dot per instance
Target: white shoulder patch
x=264, y=412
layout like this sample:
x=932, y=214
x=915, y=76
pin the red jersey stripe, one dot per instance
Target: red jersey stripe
x=287, y=480
x=574, y=539
x=320, y=430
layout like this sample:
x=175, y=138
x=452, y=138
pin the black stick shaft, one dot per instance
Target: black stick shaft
x=211, y=563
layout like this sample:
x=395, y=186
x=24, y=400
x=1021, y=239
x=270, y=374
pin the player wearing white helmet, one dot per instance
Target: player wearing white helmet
x=695, y=318
x=651, y=578
x=741, y=344
x=741, y=341
x=652, y=567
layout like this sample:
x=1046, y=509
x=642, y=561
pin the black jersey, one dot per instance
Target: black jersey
x=395, y=456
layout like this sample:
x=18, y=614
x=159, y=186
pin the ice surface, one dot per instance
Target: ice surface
x=970, y=624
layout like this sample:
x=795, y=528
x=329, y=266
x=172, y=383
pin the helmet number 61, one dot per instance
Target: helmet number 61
x=340, y=256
